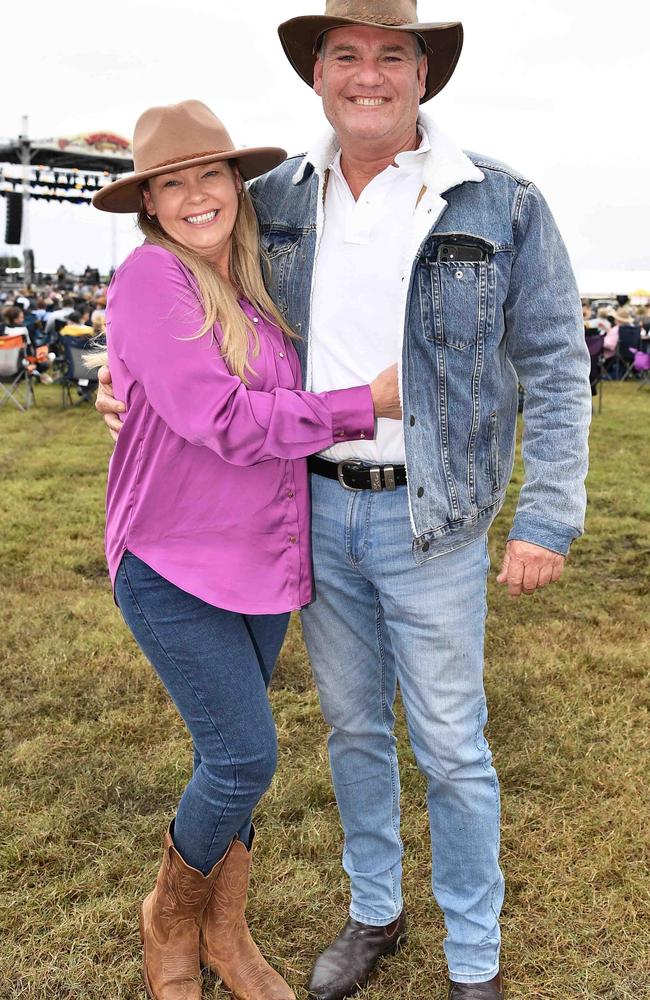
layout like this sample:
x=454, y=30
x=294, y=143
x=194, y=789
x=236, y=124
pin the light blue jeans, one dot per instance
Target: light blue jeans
x=379, y=619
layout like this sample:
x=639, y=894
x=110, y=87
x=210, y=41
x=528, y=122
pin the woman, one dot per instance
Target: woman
x=207, y=531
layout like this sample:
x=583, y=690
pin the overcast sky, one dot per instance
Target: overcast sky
x=558, y=88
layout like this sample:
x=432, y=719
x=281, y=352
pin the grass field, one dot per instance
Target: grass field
x=94, y=758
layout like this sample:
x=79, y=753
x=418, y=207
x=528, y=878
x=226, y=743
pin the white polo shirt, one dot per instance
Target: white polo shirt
x=361, y=279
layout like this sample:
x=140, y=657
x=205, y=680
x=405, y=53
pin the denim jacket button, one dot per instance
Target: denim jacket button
x=425, y=547
x=460, y=274
x=420, y=491
x=412, y=421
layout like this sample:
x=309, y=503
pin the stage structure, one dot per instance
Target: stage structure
x=62, y=170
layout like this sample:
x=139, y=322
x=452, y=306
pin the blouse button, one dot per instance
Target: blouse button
x=362, y=435
x=256, y=319
x=293, y=539
x=281, y=355
x=290, y=494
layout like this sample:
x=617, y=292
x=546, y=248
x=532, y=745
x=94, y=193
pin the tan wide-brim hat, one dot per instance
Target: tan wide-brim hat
x=174, y=137
x=300, y=35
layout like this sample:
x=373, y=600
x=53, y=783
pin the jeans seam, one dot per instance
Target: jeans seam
x=348, y=531
x=366, y=527
x=382, y=661
x=196, y=695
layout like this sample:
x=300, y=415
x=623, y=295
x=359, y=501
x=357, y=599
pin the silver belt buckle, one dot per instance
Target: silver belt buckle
x=339, y=472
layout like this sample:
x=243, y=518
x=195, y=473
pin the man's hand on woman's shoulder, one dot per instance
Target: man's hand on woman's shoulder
x=107, y=405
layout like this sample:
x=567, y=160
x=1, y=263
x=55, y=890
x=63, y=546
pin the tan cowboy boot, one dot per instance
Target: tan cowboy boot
x=170, y=922
x=227, y=947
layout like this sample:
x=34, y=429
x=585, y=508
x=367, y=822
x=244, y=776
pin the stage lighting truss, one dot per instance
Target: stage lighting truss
x=53, y=183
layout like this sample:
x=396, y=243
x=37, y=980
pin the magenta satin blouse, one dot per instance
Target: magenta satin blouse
x=208, y=482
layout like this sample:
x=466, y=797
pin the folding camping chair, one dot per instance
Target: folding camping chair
x=76, y=374
x=595, y=346
x=15, y=374
x=641, y=365
x=629, y=337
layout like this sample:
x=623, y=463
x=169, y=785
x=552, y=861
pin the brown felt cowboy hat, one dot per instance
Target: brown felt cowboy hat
x=443, y=42
x=174, y=137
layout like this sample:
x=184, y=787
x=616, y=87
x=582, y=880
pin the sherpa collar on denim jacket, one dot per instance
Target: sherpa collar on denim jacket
x=445, y=166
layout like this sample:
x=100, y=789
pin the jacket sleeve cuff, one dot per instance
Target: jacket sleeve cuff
x=353, y=415
x=553, y=535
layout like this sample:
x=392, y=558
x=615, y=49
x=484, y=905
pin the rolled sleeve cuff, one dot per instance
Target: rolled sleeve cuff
x=553, y=535
x=353, y=414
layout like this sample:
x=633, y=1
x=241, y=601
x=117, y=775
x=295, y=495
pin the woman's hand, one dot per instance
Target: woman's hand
x=107, y=405
x=385, y=394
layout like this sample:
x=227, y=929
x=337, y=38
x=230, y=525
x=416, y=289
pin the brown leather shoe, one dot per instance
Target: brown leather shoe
x=493, y=990
x=170, y=922
x=227, y=947
x=347, y=965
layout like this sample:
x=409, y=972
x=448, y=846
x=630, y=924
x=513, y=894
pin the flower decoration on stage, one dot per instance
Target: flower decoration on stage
x=98, y=142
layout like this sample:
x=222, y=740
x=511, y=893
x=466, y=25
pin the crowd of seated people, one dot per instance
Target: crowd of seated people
x=623, y=329
x=45, y=315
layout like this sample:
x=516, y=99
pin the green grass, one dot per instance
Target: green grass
x=94, y=758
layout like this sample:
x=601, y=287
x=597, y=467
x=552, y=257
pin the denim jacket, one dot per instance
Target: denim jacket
x=472, y=332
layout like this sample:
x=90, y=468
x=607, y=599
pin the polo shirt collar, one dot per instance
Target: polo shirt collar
x=409, y=160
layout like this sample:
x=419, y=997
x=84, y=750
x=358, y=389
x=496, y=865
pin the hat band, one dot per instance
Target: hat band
x=392, y=22
x=381, y=22
x=190, y=156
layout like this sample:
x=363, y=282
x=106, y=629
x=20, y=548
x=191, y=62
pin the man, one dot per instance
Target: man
x=76, y=324
x=388, y=243
x=61, y=313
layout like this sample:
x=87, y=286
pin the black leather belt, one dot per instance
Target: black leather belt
x=359, y=476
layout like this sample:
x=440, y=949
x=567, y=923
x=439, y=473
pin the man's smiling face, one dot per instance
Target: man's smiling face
x=371, y=81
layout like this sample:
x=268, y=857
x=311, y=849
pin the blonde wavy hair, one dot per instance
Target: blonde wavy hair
x=219, y=298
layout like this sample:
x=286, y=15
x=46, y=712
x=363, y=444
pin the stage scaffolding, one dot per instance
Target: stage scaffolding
x=61, y=170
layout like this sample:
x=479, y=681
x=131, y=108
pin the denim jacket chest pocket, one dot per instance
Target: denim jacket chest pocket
x=280, y=249
x=461, y=293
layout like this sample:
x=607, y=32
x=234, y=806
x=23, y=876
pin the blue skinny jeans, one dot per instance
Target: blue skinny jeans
x=216, y=666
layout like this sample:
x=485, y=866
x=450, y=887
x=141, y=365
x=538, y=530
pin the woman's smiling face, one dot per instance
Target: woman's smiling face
x=197, y=207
